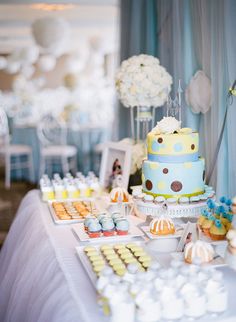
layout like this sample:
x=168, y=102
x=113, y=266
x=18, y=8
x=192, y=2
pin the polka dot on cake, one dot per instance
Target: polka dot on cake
x=148, y=184
x=153, y=165
x=165, y=170
x=178, y=147
x=192, y=146
x=176, y=186
x=160, y=140
x=188, y=165
x=155, y=146
x=161, y=185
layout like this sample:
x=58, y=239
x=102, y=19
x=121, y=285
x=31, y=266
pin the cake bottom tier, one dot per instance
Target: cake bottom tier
x=173, y=179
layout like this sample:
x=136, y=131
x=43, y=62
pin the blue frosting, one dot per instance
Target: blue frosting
x=178, y=147
x=88, y=220
x=108, y=224
x=94, y=226
x=122, y=225
x=173, y=158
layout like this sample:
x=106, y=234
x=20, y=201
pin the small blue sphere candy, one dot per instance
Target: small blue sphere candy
x=222, y=199
x=228, y=202
x=218, y=223
x=221, y=209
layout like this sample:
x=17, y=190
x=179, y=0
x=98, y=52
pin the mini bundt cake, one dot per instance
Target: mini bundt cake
x=119, y=195
x=162, y=226
x=198, y=251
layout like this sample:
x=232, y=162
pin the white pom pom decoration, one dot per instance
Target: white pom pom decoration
x=3, y=62
x=198, y=93
x=46, y=63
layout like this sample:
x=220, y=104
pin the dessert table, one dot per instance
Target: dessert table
x=41, y=277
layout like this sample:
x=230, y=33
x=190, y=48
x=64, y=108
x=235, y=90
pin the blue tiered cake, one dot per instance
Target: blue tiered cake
x=173, y=167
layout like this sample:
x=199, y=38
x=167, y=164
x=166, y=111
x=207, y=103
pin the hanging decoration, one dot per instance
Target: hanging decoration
x=46, y=63
x=198, y=93
x=51, y=34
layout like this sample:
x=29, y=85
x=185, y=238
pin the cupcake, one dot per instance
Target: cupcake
x=148, y=198
x=88, y=220
x=101, y=216
x=171, y=201
x=159, y=200
x=224, y=220
x=201, y=219
x=217, y=230
x=207, y=223
x=122, y=227
x=108, y=227
x=116, y=215
x=183, y=200
x=94, y=229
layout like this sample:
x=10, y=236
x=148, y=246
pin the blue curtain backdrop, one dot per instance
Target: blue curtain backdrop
x=191, y=35
x=138, y=21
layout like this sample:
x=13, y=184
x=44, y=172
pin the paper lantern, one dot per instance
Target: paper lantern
x=51, y=33
x=198, y=93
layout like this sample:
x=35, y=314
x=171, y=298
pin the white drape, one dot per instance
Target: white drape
x=199, y=34
x=41, y=279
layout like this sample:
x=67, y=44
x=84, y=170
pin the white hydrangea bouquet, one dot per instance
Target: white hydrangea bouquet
x=142, y=81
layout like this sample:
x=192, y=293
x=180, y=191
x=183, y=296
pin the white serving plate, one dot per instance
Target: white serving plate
x=68, y=221
x=217, y=261
x=86, y=263
x=79, y=231
x=178, y=233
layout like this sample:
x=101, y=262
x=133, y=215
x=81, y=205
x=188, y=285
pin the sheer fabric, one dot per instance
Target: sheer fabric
x=198, y=34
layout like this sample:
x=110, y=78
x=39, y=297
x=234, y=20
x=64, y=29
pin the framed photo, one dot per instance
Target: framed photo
x=189, y=234
x=115, y=165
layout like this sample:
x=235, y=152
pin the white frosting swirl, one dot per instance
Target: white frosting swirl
x=168, y=125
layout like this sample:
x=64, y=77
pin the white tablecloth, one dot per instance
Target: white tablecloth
x=41, y=278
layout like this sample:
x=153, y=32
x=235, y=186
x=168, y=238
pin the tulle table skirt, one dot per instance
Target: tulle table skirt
x=41, y=278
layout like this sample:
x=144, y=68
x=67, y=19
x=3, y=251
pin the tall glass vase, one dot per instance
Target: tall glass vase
x=142, y=121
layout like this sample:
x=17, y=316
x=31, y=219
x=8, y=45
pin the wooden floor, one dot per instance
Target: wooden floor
x=9, y=203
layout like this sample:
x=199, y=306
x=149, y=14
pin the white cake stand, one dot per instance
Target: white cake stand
x=192, y=210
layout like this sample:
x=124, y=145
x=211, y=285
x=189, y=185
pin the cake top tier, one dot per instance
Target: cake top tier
x=168, y=142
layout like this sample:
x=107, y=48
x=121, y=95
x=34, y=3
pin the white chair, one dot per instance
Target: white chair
x=7, y=151
x=52, y=136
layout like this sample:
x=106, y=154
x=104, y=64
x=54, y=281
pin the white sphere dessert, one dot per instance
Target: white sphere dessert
x=195, y=304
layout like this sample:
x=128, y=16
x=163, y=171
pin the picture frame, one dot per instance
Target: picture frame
x=189, y=234
x=119, y=153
